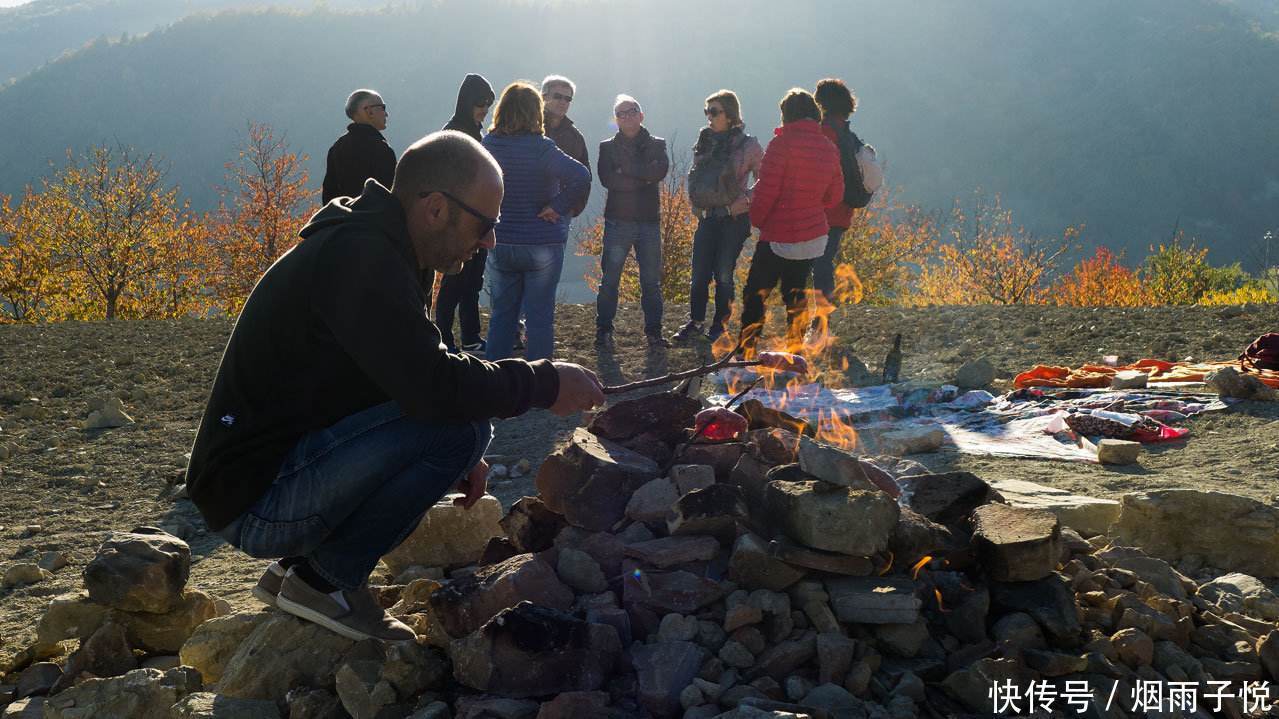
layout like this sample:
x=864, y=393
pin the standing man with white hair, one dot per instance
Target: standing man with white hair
x=631, y=166
x=362, y=152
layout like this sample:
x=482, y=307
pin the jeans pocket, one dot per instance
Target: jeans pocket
x=266, y=539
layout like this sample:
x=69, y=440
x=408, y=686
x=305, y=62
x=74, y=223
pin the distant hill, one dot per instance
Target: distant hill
x=40, y=31
x=1129, y=117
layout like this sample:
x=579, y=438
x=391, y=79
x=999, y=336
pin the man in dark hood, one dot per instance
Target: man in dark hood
x=460, y=293
x=337, y=419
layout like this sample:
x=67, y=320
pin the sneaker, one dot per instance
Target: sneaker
x=604, y=340
x=715, y=332
x=268, y=585
x=476, y=348
x=687, y=332
x=354, y=614
x=658, y=342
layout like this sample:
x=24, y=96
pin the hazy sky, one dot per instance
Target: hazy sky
x=11, y=3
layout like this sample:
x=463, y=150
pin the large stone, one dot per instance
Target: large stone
x=912, y=440
x=837, y=519
x=784, y=658
x=139, y=694
x=1232, y=532
x=214, y=642
x=1151, y=570
x=1244, y=594
x=1118, y=451
x=20, y=574
x=1268, y=654
x=1229, y=382
x=834, y=656
x=830, y=562
x=916, y=536
x=574, y=705
x=836, y=700
x=1087, y=515
x=666, y=413
x=947, y=498
x=832, y=464
x=752, y=567
x=720, y=456
x=671, y=551
x=1014, y=544
x=531, y=525
x=688, y=477
x=751, y=475
x=490, y=707
x=663, y=670
x=591, y=480
x=280, y=653
x=681, y=592
x=104, y=654
x=206, y=705
x=308, y=703
x=604, y=547
x=465, y=604
x=531, y=651
x=373, y=675
x=713, y=511
x=449, y=535
x=580, y=571
x=140, y=571
x=971, y=685
x=652, y=501
x=38, y=679
x=29, y=708
x=874, y=600
x=975, y=374
x=1049, y=601
x=72, y=616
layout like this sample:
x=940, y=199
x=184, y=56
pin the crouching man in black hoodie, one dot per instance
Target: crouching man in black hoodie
x=460, y=293
x=337, y=418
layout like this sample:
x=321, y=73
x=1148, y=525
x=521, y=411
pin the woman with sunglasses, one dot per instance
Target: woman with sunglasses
x=460, y=293
x=721, y=230
x=542, y=185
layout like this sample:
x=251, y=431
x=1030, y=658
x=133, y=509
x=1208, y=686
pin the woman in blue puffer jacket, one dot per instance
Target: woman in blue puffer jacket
x=542, y=185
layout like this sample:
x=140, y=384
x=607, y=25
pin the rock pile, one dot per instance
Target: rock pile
x=768, y=577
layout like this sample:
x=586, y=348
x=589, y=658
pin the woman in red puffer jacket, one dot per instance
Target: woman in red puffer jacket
x=800, y=177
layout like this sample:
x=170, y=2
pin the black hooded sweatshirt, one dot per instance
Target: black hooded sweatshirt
x=337, y=325
x=474, y=91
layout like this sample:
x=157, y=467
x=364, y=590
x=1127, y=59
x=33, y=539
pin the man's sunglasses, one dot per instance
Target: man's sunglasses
x=713, y=112
x=379, y=106
x=486, y=223
x=632, y=112
x=559, y=96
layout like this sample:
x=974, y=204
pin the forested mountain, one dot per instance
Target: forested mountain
x=40, y=31
x=1129, y=117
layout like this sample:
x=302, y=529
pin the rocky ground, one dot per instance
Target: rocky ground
x=65, y=488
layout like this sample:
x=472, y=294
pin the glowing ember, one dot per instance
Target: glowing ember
x=914, y=574
x=888, y=565
x=940, y=606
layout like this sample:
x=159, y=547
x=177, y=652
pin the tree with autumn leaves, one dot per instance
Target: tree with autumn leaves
x=106, y=237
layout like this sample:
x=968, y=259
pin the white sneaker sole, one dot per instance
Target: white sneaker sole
x=302, y=612
x=263, y=596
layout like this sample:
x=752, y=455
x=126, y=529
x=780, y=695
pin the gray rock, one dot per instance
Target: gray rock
x=913, y=440
x=1229, y=382
x=464, y=605
x=836, y=700
x=1014, y=544
x=652, y=501
x=677, y=628
x=975, y=374
x=874, y=600
x=1242, y=593
x=580, y=571
x=20, y=574
x=672, y=551
x=104, y=654
x=837, y=519
x=491, y=707
x=1049, y=601
x=206, y=705
x=110, y=415
x=139, y=694
x=590, y=482
x=140, y=571
x=833, y=465
x=663, y=669
x=449, y=535
x=688, y=477
x=280, y=653
x=1235, y=533
x=1118, y=451
x=38, y=679
x=752, y=567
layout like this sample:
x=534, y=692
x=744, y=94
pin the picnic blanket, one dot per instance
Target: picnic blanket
x=1023, y=423
x=1158, y=371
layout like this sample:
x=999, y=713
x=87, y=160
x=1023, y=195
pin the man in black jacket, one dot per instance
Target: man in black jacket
x=336, y=418
x=362, y=152
x=460, y=293
x=631, y=166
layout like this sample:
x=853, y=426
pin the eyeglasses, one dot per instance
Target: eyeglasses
x=559, y=96
x=486, y=223
x=628, y=113
x=380, y=106
x=713, y=112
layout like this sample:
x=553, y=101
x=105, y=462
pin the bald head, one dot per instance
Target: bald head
x=449, y=161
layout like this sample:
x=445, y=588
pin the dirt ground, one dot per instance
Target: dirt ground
x=65, y=489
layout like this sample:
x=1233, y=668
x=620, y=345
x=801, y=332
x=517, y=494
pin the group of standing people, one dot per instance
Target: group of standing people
x=793, y=192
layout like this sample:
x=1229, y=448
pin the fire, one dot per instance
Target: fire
x=941, y=607
x=835, y=430
x=848, y=286
x=914, y=571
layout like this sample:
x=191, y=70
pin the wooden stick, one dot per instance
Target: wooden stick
x=677, y=376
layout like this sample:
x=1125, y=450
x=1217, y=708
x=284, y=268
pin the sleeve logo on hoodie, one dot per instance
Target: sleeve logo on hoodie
x=228, y=419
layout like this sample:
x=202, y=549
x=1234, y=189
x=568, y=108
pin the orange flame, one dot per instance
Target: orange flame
x=940, y=606
x=888, y=565
x=835, y=430
x=914, y=574
x=848, y=286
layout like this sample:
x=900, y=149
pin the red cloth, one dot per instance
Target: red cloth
x=798, y=179
x=840, y=215
x=1095, y=376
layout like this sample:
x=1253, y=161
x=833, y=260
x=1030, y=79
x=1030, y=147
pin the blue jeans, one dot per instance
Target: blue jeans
x=522, y=281
x=619, y=237
x=824, y=266
x=716, y=246
x=348, y=494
